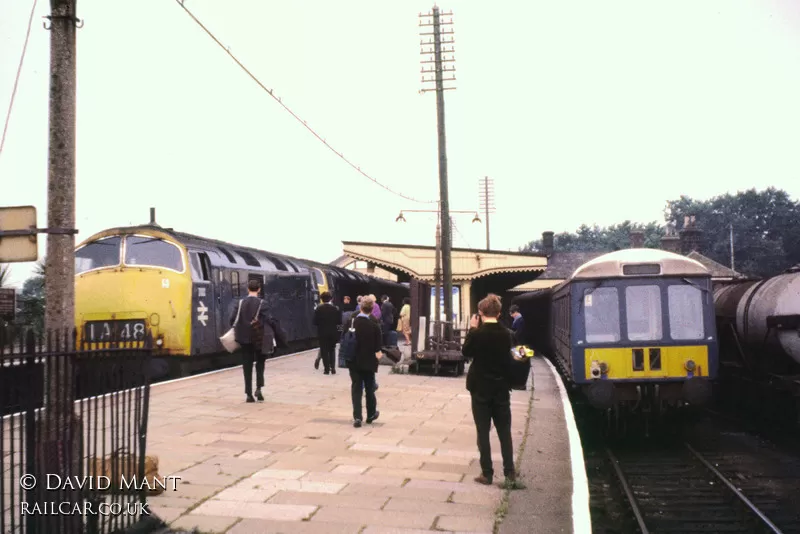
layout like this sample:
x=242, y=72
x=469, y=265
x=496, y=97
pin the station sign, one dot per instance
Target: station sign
x=18, y=234
x=8, y=303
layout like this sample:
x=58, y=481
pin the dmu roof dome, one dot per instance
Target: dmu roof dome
x=639, y=262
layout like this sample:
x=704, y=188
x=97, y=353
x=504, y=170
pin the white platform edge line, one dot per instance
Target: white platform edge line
x=233, y=368
x=581, y=517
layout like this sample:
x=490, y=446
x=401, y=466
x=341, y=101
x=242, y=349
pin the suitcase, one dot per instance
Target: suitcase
x=393, y=353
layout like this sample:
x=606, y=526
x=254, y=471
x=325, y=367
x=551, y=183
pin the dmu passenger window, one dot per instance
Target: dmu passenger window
x=601, y=315
x=643, y=307
x=685, y=312
x=152, y=252
x=101, y=253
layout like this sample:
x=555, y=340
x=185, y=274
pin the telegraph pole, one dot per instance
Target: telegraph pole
x=486, y=195
x=60, y=259
x=61, y=431
x=732, y=264
x=438, y=71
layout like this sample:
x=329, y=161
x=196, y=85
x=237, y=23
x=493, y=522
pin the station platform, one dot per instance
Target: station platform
x=295, y=464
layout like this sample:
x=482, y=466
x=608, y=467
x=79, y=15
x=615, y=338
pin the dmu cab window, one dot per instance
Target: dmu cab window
x=152, y=252
x=601, y=315
x=643, y=308
x=97, y=254
x=685, y=312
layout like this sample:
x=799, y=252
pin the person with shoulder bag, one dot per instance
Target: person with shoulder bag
x=255, y=336
x=364, y=362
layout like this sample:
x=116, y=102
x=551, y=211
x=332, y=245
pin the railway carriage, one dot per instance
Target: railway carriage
x=183, y=289
x=633, y=329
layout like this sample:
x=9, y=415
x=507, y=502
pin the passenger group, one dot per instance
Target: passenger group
x=366, y=331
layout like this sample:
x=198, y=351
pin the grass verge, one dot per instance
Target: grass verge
x=502, y=509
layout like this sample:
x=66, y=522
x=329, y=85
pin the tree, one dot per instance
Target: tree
x=601, y=239
x=31, y=301
x=766, y=228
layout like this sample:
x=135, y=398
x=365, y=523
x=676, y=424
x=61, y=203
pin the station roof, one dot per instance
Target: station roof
x=468, y=264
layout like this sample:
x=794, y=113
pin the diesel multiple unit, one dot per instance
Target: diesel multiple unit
x=631, y=328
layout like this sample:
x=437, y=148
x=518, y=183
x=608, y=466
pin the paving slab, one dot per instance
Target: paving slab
x=294, y=463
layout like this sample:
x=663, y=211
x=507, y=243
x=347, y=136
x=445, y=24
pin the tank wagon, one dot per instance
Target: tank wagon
x=182, y=289
x=634, y=330
x=759, y=324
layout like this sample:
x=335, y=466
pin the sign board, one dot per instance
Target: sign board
x=16, y=248
x=8, y=303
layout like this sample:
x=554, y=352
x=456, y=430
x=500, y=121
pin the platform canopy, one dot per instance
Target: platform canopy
x=418, y=262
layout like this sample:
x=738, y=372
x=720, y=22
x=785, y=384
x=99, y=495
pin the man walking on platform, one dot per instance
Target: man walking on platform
x=327, y=319
x=365, y=363
x=488, y=346
x=255, y=336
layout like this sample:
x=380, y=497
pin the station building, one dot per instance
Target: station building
x=477, y=272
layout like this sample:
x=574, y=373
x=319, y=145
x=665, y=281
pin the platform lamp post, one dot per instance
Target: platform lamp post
x=437, y=271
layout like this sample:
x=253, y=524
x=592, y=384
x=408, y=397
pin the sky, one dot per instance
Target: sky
x=581, y=112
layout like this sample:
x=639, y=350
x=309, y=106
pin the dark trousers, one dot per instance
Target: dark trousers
x=363, y=381
x=485, y=409
x=250, y=354
x=327, y=352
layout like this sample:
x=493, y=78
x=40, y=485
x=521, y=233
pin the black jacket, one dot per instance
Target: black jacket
x=489, y=348
x=327, y=318
x=518, y=326
x=387, y=314
x=243, y=330
x=368, y=342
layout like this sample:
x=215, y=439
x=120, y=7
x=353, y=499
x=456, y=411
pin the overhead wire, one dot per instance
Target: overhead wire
x=459, y=233
x=271, y=93
x=16, y=78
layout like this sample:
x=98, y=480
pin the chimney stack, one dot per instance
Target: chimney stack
x=670, y=242
x=547, y=243
x=691, y=237
x=152, y=216
x=637, y=239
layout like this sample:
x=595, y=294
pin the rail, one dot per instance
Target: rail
x=658, y=469
x=752, y=507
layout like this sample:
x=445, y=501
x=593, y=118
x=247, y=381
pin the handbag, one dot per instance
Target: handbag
x=228, y=339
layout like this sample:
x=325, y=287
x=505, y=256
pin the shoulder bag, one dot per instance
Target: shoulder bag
x=228, y=340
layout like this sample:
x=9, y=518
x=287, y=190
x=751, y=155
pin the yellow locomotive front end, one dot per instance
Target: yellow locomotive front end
x=132, y=281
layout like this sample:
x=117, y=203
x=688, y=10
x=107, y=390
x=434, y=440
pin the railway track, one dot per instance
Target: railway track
x=678, y=489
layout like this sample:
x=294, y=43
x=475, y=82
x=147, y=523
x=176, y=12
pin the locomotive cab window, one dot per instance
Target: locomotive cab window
x=152, y=252
x=97, y=254
x=200, y=266
x=601, y=315
x=643, y=308
x=685, y=312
